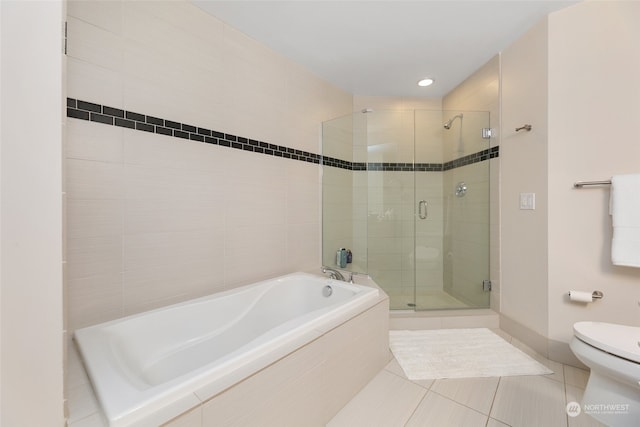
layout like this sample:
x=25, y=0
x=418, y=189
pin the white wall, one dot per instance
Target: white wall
x=523, y=169
x=154, y=220
x=573, y=77
x=594, y=112
x=31, y=247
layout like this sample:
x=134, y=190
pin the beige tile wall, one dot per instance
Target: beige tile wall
x=338, y=187
x=153, y=220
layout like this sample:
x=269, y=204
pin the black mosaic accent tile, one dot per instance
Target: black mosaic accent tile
x=155, y=121
x=125, y=123
x=101, y=118
x=77, y=114
x=135, y=116
x=164, y=131
x=472, y=158
x=117, y=117
x=145, y=127
x=89, y=106
x=181, y=134
x=173, y=125
x=116, y=112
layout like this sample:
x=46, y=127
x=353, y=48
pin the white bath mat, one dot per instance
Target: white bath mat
x=459, y=353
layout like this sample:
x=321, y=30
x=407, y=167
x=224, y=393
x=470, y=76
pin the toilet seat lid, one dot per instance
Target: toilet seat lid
x=620, y=340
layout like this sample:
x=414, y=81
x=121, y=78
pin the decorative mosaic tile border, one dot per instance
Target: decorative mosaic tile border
x=116, y=117
x=489, y=153
x=90, y=111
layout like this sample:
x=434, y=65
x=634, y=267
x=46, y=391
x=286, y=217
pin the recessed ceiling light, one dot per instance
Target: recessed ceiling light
x=426, y=82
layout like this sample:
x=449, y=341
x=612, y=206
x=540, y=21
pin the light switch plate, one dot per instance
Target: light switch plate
x=527, y=201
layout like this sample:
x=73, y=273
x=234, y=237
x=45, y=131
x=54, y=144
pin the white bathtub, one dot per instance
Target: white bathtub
x=150, y=367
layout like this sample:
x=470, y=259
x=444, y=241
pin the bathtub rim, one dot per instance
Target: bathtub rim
x=196, y=390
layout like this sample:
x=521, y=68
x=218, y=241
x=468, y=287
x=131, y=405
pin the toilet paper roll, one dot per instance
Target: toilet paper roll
x=580, y=296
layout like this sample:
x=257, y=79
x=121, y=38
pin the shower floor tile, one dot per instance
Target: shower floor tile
x=425, y=300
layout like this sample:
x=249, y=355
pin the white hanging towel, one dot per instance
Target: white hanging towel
x=625, y=212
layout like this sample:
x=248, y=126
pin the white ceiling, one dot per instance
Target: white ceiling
x=382, y=48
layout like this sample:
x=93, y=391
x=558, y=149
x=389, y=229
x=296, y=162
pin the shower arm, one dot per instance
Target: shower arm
x=447, y=125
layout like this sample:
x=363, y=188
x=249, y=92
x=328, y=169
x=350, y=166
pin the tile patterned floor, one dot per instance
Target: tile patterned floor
x=391, y=400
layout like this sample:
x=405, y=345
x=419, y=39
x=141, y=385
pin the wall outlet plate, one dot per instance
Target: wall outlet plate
x=527, y=201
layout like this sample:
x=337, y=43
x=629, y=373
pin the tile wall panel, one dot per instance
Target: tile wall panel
x=176, y=143
x=155, y=219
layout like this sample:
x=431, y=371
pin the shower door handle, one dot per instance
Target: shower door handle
x=422, y=209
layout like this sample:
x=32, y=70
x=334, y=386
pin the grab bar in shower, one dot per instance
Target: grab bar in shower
x=581, y=184
x=421, y=204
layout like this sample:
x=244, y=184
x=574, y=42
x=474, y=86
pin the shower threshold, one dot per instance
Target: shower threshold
x=426, y=300
x=443, y=319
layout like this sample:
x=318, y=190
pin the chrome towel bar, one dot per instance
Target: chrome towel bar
x=581, y=184
x=524, y=127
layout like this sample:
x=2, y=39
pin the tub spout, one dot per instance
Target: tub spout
x=334, y=274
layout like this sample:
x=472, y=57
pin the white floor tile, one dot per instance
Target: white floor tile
x=82, y=402
x=387, y=400
x=394, y=367
x=496, y=423
x=574, y=394
x=530, y=401
x=476, y=393
x=436, y=410
x=95, y=420
x=575, y=376
x=558, y=371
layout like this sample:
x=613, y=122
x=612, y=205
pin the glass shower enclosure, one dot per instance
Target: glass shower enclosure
x=407, y=193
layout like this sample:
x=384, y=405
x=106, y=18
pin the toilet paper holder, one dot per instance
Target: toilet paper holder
x=594, y=295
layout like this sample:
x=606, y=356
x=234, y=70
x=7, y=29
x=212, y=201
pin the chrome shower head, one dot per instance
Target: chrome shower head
x=447, y=125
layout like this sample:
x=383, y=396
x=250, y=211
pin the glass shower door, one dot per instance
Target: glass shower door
x=452, y=239
x=391, y=201
x=410, y=198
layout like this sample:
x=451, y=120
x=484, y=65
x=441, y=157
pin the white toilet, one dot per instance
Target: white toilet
x=612, y=352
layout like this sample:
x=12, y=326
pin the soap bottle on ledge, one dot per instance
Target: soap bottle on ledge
x=341, y=258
